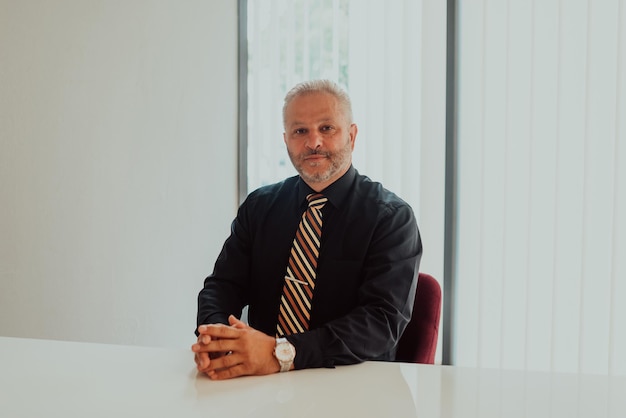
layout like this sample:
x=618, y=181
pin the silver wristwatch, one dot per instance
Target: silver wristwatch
x=284, y=352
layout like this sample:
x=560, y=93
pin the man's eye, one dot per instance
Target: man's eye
x=299, y=131
x=326, y=128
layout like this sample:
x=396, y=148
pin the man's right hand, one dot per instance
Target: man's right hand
x=202, y=358
x=249, y=351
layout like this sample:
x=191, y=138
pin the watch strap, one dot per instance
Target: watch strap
x=285, y=365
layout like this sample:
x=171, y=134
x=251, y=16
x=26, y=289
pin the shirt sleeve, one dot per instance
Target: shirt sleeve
x=224, y=291
x=372, y=329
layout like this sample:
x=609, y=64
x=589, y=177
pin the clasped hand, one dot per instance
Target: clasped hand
x=227, y=351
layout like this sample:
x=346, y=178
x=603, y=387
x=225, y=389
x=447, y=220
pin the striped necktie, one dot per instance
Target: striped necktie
x=295, y=302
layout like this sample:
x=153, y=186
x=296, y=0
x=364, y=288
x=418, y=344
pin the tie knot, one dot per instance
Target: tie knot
x=316, y=200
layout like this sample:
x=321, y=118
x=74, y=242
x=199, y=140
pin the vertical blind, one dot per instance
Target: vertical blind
x=541, y=245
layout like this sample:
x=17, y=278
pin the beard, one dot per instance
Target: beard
x=310, y=172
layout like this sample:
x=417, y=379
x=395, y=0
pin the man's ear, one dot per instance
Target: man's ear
x=353, y=131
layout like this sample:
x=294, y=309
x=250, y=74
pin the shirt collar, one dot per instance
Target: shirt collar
x=336, y=192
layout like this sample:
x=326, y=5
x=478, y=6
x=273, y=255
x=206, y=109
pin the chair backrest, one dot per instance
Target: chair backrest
x=418, y=343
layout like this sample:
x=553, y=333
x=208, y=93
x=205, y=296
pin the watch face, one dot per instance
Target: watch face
x=285, y=351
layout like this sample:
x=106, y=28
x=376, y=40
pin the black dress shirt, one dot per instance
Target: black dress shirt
x=366, y=273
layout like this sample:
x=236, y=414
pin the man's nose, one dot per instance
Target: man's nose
x=314, y=140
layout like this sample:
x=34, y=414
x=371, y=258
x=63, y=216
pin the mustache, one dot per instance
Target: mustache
x=315, y=152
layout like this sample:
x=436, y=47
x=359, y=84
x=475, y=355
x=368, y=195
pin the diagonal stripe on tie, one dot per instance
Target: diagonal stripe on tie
x=295, y=302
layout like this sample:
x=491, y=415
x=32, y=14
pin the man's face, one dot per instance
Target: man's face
x=319, y=138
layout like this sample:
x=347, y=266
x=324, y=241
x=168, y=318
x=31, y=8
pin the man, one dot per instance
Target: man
x=360, y=279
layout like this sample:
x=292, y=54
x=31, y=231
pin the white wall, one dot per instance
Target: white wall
x=118, y=131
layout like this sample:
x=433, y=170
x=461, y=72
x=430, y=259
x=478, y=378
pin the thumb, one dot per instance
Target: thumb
x=236, y=323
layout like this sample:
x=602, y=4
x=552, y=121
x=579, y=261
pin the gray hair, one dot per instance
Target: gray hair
x=316, y=86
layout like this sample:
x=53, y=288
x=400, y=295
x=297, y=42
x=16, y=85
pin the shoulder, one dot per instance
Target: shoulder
x=265, y=196
x=372, y=194
x=387, y=218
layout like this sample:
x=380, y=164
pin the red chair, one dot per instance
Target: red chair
x=418, y=343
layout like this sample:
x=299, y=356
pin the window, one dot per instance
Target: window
x=390, y=56
x=288, y=42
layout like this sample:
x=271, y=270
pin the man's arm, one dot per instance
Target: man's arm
x=385, y=300
x=225, y=290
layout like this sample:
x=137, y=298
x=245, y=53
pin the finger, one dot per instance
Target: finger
x=227, y=373
x=217, y=331
x=216, y=346
x=234, y=322
x=202, y=329
x=202, y=361
x=226, y=361
x=199, y=348
x=205, y=348
x=204, y=339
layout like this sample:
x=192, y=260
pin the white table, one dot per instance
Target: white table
x=41, y=378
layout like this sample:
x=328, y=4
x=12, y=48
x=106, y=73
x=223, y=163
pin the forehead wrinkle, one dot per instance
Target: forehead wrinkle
x=317, y=122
